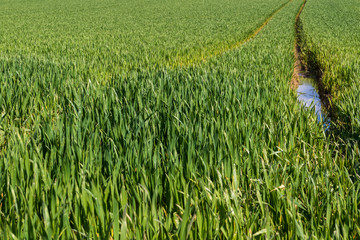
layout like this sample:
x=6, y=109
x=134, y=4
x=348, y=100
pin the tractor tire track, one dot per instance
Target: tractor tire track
x=179, y=63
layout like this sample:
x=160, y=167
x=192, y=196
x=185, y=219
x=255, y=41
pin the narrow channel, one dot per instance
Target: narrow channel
x=306, y=82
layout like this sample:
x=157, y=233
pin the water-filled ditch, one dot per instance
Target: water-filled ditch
x=310, y=98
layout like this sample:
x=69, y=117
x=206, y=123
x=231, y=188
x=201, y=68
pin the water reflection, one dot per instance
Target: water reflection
x=309, y=97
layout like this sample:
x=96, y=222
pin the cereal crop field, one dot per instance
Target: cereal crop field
x=179, y=119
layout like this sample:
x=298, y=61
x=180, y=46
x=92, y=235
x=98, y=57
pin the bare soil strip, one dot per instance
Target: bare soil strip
x=299, y=61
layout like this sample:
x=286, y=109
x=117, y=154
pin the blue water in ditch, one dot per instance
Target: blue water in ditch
x=309, y=97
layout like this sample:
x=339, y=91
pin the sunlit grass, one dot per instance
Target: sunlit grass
x=217, y=150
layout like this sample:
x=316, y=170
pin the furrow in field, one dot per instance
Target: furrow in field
x=308, y=77
x=298, y=66
x=186, y=63
x=330, y=43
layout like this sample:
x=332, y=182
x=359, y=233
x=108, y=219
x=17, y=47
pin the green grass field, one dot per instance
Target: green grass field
x=165, y=119
x=332, y=39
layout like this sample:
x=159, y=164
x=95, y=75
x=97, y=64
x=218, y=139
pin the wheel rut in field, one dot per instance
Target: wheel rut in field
x=253, y=34
x=180, y=63
x=307, y=78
